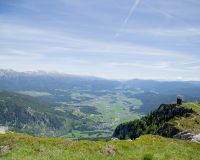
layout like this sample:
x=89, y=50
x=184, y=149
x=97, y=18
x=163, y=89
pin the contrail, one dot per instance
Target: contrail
x=133, y=8
x=136, y=3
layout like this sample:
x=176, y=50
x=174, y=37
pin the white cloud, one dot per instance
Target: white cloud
x=45, y=41
x=154, y=65
x=165, y=32
x=28, y=48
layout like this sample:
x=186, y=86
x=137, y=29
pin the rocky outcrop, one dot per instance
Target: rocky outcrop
x=196, y=138
x=168, y=111
x=3, y=129
x=188, y=135
x=167, y=130
x=184, y=135
x=4, y=149
x=156, y=122
x=114, y=139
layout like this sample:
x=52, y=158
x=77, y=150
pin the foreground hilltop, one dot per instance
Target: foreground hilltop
x=167, y=120
x=148, y=147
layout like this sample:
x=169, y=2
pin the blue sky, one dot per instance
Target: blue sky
x=115, y=39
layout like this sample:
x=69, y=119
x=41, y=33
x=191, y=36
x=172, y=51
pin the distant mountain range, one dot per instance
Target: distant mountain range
x=41, y=80
x=12, y=80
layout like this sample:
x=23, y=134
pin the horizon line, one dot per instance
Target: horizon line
x=60, y=73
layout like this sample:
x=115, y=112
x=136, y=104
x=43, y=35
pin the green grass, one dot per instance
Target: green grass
x=194, y=106
x=189, y=122
x=22, y=147
x=89, y=135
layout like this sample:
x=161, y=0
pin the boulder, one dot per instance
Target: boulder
x=3, y=129
x=167, y=130
x=4, y=149
x=184, y=135
x=188, y=135
x=196, y=138
x=114, y=138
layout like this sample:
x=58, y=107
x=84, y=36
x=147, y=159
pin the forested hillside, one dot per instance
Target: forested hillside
x=37, y=117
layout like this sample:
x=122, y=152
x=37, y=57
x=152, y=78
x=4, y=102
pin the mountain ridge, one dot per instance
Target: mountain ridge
x=62, y=74
x=165, y=121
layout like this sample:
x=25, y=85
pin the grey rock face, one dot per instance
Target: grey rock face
x=185, y=135
x=167, y=130
x=114, y=139
x=188, y=135
x=3, y=129
x=196, y=138
x=4, y=149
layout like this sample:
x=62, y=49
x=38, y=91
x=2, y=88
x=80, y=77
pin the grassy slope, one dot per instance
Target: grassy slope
x=190, y=122
x=22, y=147
x=26, y=114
